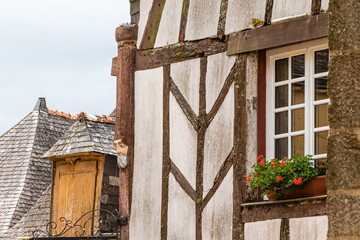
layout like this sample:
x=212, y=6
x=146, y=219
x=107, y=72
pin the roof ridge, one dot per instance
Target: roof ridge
x=82, y=115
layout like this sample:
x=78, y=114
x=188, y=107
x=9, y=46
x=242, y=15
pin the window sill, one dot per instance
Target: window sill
x=289, y=208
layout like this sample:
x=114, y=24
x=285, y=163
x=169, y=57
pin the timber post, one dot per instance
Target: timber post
x=123, y=67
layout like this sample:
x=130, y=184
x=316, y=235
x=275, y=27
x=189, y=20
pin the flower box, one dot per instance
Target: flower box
x=314, y=187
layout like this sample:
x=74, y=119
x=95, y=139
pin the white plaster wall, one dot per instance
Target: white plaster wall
x=145, y=219
x=202, y=19
x=240, y=13
x=316, y=228
x=218, y=68
x=181, y=213
x=269, y=230
x=186, y=76
x=218, y=214
x=183, y=142
x=290, y=8
x=251, y=100
x=324, y=5
x=218, y=140
x=169, y=27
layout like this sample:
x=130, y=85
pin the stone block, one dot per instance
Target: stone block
x=344, y=88
x=344, y=214
x=343, y=161
x=344, y=31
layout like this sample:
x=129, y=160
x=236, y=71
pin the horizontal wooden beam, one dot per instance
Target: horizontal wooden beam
x=153, y=58
x=284, y=209
x=279, y=34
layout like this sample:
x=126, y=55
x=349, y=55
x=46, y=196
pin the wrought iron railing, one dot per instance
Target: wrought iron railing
x=94, y=224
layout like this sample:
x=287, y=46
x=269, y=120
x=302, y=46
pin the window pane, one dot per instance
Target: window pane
x=297, y=119
x=281, y=148
x=321, y=142
x=297, y=145
x=297, y=93
x=298, y=66
x=281, y=96
x=321, y=88
x=321, y=61
x=281, y=70
x=321, y=115
x=281, y=122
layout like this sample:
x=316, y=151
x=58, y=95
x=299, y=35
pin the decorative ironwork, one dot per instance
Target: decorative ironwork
x=94, y=224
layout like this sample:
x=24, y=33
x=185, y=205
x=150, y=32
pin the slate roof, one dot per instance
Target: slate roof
x=24, y=175
x=85, y=135
x=36, y=218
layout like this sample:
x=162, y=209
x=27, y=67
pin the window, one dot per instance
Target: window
x=297, y=100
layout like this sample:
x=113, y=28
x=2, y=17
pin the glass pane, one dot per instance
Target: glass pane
x=321, y=88
x=281, y=70
x=281, y=96
x=297, y=145
x=281, y=122
x=321, y=115
x=321, y=61
x=297, y=119
x=321, y=142
x=281, y=148
x=298, y=66
x=297, y=93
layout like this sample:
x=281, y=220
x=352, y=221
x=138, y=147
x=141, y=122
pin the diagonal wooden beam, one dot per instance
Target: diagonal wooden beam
x=152, y=24
x=188, y=111
x=183, y=182
x=220, y=99
x=224, y=169
x=268, y=11
x=315, y=7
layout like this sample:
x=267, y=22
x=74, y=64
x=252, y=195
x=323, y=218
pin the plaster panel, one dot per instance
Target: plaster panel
x=218, y=140
x=169, y=27
x=181, y=213
x=145, y=7
x=324, y=5
x=316, y=228
x=218, y=214
x=145, y=219
x=183, y=142
x=251, y=102
x=269, y=230
x=240, y=13
x=219, y=66
x=186, y=76
x=202, y=19
x=290, y=8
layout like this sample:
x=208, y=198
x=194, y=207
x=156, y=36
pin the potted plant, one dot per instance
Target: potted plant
x=287, y=178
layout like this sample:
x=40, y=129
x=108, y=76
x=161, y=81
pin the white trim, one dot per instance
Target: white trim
x=307, y=48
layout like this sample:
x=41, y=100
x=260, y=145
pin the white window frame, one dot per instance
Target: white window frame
x=309, y=102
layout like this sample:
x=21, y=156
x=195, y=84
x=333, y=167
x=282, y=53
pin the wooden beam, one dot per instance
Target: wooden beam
x=291, y=209
x=159, y=57
x=279, y=34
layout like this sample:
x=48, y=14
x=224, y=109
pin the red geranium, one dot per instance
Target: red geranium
x=260, y=157
x=283, y=164
x=279, y=178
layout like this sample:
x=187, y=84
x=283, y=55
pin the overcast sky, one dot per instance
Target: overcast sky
x=60, y=50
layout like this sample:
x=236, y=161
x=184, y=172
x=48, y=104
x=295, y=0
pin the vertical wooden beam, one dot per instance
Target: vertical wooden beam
x=268, y=11
x=222, y=18
x=124, y=69
x=166, y=153
x=240, y=140
x=285, y=229
x=200, y=148
x=315, y=7
x=183, y=21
